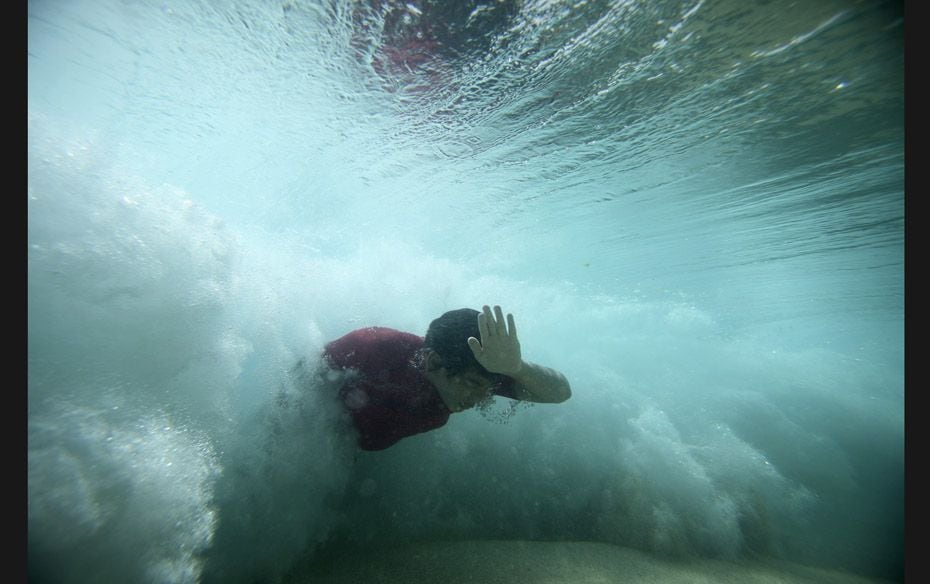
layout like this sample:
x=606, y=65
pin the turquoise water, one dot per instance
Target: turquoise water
x=695, y=211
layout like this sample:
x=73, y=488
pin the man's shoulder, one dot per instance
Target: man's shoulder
x=379, y=334
x=373, y=345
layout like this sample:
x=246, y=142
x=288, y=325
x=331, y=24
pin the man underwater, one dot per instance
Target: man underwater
x=398, y=384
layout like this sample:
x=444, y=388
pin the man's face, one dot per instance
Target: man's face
x=467, y=389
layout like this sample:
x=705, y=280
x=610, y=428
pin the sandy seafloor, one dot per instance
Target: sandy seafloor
x=509, y=562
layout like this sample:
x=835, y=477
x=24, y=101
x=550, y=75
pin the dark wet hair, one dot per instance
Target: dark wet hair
x=448, y=336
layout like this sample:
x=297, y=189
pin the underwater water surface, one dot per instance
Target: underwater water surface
x=694, y=209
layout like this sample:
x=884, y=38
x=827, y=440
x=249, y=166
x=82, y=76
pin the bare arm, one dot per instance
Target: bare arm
x=536, y=383
x=498, y=351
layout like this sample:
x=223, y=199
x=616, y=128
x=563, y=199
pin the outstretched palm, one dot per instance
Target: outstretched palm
x=498, y=351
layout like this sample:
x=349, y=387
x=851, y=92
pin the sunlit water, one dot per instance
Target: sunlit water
x=694, y=209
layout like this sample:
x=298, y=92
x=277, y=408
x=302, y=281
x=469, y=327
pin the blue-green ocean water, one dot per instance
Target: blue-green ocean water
x=695, y=210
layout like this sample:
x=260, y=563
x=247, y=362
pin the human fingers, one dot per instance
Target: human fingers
x=483, y=328
x=512, y=326
x=499, y=321
x=489, y=321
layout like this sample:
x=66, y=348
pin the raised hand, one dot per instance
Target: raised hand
x=498, y=351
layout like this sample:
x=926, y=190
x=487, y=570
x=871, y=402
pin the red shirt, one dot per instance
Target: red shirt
x=386, y=395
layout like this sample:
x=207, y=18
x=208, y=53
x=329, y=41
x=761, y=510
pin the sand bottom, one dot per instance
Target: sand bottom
x=529, y=562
